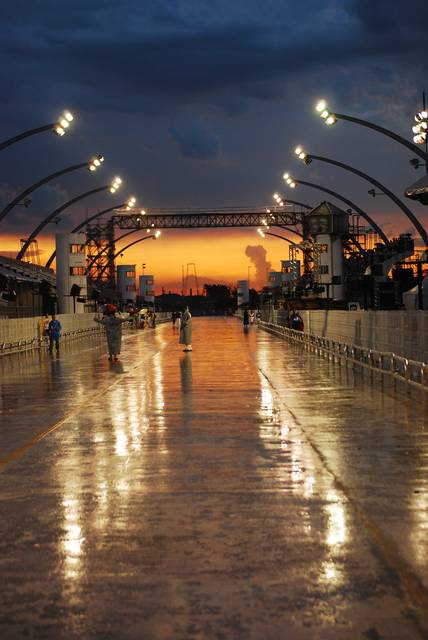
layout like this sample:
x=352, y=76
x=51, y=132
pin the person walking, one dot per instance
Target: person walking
x=54, y=333
x=246, y=320
x=113, y=327
x=186, y=330
x=44, y=327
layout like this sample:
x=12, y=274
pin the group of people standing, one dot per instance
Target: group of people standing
x=249, y=317
x=112, y=324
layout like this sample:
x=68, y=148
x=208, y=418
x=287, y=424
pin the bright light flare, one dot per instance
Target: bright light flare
x=321, y=106
x=420, y=129
x=63, y=123
x=95, y=162
x=115, y=185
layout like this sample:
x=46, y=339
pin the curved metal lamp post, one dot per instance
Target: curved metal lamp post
x=53, y=215
x=131, y=244
x=276, y=235
x=331, y=118
x=59, y=128
x=85, y=222
x=307, y=159
x=52, y=176
x=107, y=247
x=351, y=204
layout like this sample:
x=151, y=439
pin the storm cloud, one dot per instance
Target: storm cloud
x=230, y=86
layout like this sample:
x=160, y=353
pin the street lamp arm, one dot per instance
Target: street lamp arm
x=288, y=229
x=299, y=204
x=96, y=215
x=413, y=147
x=351, y=204
x=52, y=215
x=276, y=235
x=83, y=224
x=106, y=248
x=38, y=184
x=26, y=134
x=131, y=244
x=380, y=186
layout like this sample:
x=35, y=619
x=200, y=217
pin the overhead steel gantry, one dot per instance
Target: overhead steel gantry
x=208, y=218
x=102, y=234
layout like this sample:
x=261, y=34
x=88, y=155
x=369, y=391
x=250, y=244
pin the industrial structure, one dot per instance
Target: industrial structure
x=338, y=262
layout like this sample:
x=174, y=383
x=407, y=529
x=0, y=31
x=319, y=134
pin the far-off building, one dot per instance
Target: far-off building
x=127, y=283
x=147, y=289
x=71, y=280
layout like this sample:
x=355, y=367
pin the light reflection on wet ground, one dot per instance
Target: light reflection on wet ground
x=245, y=490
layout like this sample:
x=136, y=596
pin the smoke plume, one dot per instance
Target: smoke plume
x=257, y=255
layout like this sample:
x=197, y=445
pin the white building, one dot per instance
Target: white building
x=147, y=289
x=243, y=290
x=127, y=283
x=328, y=225
x=71, y=270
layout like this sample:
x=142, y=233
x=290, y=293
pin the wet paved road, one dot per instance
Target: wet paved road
x=245, y=490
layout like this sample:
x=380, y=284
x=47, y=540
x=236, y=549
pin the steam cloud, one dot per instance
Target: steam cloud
x=257, y=255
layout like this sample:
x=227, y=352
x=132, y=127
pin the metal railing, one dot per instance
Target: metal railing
x=37, y=343
x=411, y=372
x=72, y=334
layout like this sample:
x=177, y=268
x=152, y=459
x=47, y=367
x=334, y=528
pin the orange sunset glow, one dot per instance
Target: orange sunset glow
x=219, y=254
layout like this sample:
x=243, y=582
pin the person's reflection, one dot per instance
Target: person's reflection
x=116, y=367
x=186, y=381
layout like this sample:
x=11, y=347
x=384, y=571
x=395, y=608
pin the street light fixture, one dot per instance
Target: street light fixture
x=263, y=234
x=54, y=214
x=308, y=159
x=351, y=204
x=87, y=221
x=115, y=184
x=420, y=128
x=131, y=244
x=43, y=181
x=63, y=123
x=331, y=118
x=59, y=128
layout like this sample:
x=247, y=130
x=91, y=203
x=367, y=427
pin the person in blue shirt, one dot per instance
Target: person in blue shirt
x=54, y=332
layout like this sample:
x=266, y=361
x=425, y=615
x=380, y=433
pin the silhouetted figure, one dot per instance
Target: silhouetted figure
x=246, y=320
x=186, y=330
x=113, y=327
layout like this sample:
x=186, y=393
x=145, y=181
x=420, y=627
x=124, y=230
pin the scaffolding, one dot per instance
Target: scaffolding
x=188, y=276
x=100, y=245
x=32, y=253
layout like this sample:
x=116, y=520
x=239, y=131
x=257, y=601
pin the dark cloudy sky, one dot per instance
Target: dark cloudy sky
x=201, y=102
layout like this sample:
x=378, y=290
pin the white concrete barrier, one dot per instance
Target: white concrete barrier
x=20, y=334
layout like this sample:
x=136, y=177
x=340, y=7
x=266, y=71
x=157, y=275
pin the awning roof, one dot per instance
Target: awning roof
x=419, y=190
